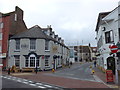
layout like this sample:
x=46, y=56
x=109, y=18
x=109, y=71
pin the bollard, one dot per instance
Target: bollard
x=93, y=71
x=53, y=70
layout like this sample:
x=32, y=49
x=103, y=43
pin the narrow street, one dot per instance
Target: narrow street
x=76, y=71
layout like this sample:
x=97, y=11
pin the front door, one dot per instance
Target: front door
x=111, y=64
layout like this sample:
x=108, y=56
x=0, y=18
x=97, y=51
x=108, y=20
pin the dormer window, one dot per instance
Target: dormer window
x=15, y=18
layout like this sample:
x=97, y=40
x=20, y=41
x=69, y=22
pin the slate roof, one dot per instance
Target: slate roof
x=34, y=32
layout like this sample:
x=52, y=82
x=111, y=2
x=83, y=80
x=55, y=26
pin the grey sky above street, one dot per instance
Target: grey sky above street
x=73, y=20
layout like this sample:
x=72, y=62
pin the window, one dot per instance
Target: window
x=47, y=60
x=1, y=24
x=119, y=33
x=15, y=17
x=26, y=63
x=32, y=61
x=46, y=45
x=1, y=36
x=0, y=48
x=109, y=36
x=32, y=44
x=17, y=44
x=17, y=61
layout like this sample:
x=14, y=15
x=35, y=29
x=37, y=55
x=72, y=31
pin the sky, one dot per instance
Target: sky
x=73, y=20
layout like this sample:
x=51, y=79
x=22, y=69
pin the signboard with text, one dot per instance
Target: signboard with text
x=109, y=76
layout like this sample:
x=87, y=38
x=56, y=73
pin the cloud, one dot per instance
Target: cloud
x=73, y=20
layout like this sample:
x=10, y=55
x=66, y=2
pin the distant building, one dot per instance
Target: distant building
x=93, y=53
x=72, y=52
x=82, y=53
x=10, y=24
x=37, y=47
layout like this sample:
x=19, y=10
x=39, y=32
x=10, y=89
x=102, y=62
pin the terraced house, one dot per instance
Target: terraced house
x=37, y=47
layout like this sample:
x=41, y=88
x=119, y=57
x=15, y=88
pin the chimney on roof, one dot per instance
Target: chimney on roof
x=62, y=41
x=19, y=13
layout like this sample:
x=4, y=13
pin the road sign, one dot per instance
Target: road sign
x=109, y=76
x=113, y=48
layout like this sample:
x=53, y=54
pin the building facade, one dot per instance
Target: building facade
x=10, y=24
x=107, y=34
x=37, y=47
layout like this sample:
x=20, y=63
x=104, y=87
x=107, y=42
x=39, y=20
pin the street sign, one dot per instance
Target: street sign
x=109, y=76
x=113, y=48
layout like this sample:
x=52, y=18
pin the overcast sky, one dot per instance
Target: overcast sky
x=73, y=20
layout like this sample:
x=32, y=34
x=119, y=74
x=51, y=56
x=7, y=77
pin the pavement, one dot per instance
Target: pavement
x=102, y=77
x=66, y=82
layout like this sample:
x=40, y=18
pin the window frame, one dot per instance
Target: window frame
x=15, y=17
x=109, y=37
x=1, y=25
x=32, y=44
x=47, y=47
x=47, y=61
x=1, y=36
x=17, y=60
x=17, y=44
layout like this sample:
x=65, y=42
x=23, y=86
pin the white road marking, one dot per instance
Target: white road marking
x=8, y=78
x=19, y=80
x=13, y=79
x=30, y=81
x=39, y=83
x=48, y=86
x=25, y=79
x=25, y=82
x=4, y=77
x=32, y=84
x=41, y=87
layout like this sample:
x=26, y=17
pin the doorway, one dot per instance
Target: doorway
x=111, y=64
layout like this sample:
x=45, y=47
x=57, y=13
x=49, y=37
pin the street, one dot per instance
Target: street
x=14, y=82
x=77, y=71
x=74, y=77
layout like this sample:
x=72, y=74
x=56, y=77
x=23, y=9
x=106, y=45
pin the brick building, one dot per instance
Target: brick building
x=10, y=24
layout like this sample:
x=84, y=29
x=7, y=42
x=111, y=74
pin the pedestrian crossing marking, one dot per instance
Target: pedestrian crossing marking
x=41, y=87
x=29, y=82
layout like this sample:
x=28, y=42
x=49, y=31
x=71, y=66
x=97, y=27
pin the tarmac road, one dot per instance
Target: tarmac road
x=76, y=71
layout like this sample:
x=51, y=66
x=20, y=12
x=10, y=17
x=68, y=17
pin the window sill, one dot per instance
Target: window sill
x=17, y=51
x=32, y=50
x=47, y=50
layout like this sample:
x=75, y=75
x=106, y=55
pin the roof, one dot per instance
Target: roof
x=35, y=32
x=100, y=17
